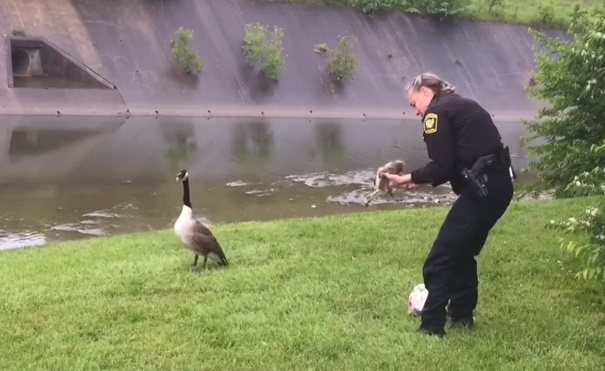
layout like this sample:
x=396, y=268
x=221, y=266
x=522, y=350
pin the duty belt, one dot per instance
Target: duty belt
x=476, y=176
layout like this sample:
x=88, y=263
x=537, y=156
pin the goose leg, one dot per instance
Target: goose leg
x=205, y=260
x=195, y=260
x=370, y=197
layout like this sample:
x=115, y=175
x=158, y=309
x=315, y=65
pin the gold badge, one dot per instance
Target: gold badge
x=430, y=123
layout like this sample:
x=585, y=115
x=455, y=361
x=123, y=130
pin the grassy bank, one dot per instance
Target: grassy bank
x=549, y=13
x=324, y=293
x=555, y=13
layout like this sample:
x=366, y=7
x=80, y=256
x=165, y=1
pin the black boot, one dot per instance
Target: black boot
x=435, y=331
x=465, y=320
x=467, y=323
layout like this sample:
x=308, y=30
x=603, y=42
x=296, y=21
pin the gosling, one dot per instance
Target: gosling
x=381, y=183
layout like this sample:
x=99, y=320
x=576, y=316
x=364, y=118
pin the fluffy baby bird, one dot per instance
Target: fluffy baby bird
x=195, y=235
x=381, y=183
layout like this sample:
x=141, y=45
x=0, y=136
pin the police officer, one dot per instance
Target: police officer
x=458, y=132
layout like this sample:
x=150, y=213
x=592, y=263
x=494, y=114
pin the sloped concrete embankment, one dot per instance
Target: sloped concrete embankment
x=128, y=43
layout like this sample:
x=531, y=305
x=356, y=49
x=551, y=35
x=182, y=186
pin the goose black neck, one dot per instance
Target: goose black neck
x=186, y=199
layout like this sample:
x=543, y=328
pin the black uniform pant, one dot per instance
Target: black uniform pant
x=450, y=269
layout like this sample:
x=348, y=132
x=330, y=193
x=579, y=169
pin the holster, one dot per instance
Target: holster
x=476, y=176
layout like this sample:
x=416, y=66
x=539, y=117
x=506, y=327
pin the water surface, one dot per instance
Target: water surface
x=64, y=178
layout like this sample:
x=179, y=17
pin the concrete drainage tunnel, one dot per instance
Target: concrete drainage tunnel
x=20, y=61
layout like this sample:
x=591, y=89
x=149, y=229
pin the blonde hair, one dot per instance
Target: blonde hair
x=431, y=81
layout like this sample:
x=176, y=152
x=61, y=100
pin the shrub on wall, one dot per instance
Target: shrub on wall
x=341, y=61
x=256, y=49
x=184, y=54
x=254, y=42
x=273, y=58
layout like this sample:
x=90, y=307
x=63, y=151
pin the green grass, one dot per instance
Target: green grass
x=549, y=13
x=555, y=13
x=327, y=293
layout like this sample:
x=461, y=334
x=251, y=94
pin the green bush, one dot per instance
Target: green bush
x=441, y=8
x=376, y=6
x=185, y=55
x=571, y=77
x=273, y=58
x=341, y=61
x=254, y=42
x=270, y=55
x=494, y=5
x=546, y=12
x=592, y=223
x=573, y=85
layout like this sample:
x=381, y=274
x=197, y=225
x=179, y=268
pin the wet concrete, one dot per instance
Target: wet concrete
x=128, y=43
x=75, y=177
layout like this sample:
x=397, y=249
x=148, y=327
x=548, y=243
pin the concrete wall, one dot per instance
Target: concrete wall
x=128, y=43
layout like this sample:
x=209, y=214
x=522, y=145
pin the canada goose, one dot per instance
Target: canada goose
x=381, y=183
x=195, y=235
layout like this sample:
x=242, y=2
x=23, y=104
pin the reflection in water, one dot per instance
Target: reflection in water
x=329, y=141
x=252, y=147
x=182, y=145
x=27, y=142
x=50, y=148
x=68, y=178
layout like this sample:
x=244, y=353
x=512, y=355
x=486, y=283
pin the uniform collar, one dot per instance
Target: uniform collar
x=434, y=100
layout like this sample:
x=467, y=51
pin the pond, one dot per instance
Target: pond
x=65, y=178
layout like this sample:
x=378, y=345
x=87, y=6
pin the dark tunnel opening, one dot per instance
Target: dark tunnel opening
x=20, y=61
x=36, y=63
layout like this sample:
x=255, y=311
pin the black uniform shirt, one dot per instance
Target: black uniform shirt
x=456, y=131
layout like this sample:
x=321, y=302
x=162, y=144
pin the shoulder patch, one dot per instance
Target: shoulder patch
x=430, y=123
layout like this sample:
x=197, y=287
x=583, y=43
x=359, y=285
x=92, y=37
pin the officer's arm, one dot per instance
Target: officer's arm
x=440, y=148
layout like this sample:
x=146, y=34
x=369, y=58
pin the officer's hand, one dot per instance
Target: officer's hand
x=398, y=180
x=412, y=185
